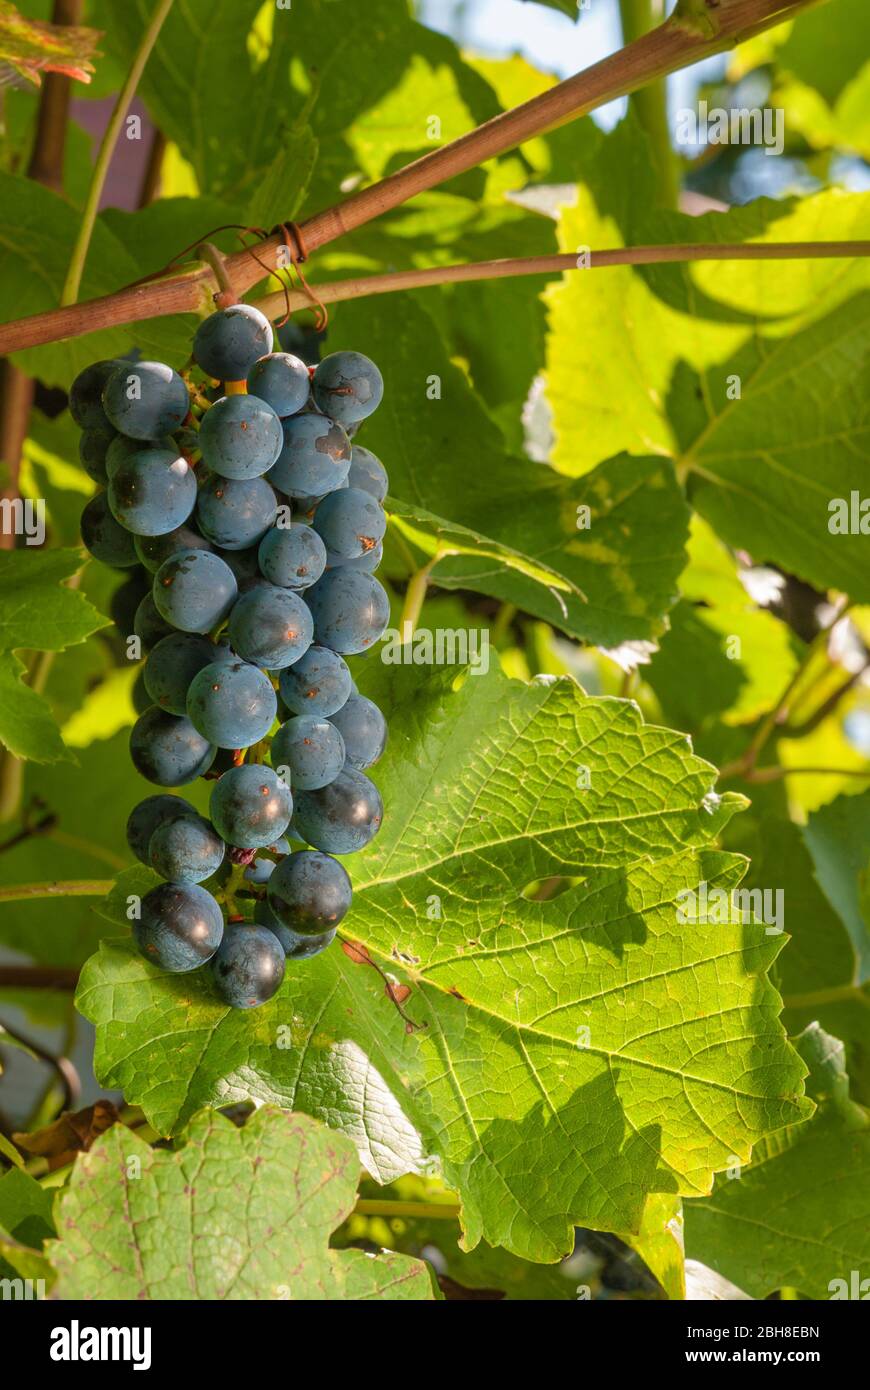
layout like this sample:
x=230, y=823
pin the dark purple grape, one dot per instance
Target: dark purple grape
x=309, y=892
x=248, y=967
x=180, y=928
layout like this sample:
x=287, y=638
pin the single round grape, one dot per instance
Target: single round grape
x=149, y=625
x=93, y=446
x=293, y=557
x=147, y=816
x=145, y=400
x=232, y=704
x=86, y=394
x=153, y=551
x=294, y=945
x=311, y=748
x=318, y=683
x=240, y=437
x=309, y=892
x=314, y=459
x=186, y=849
x=194, y=590
x=121, y=448
x=366, y=564
x=180, y=928
x=342, y=817
x=368, y=473
x=172, y=665
x=248, y=967
x=347, y=386
x=153, y=492
x=228, y=343
x=280, y=380
x=250, y=806
x=271, y=627
x=350, y=610
x=364, y=730
x=168, y=750
x=139, y=696
x=236, y=513
x=103, y=537
x=350, y=522
x=125, y=601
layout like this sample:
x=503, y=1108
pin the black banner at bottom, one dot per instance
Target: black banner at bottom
x=82, y=1338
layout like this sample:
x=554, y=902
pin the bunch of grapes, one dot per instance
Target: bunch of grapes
x=258, y=525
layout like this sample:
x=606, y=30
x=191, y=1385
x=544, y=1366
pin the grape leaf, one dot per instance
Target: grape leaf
x=254, y=52
x=819, y=971
x=838, y=839
x=27, y=726
x=25, y=1208
x=369, y=128
x=615, y=578
x=36, y=609
x=827, y=55
x=37, y=229
x=538, y=1123
x=137, y=1223
x=659, y=1242
x=799, y=1215
x=25, y=1223
x=283, y=185
x=765, y=473
x=843, y=126
x=208, y=38
x=657, y=366
x=740, y=656
x=158, y=233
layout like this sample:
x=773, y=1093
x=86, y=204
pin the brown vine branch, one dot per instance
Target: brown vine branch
x=683, y=39
x=37, y=977
x=365, y=285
